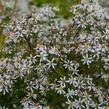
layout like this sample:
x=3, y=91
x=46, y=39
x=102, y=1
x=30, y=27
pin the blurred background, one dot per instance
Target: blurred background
x=63, y=5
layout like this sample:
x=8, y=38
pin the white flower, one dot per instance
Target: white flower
x=91, y=86
x=62, y=81
x=60, y=89
x=70, y=104
x=87, y=60
x=54, y=50
x=86, y=97
x=80, y=84
x=79, y=104
x=73, y=80
x=51, y=64
x=68, y=64
x=70, y=93
x=27, y=103
x=5, y=83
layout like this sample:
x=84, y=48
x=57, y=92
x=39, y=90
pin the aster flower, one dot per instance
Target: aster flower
x=71, y=104
x=87, y=60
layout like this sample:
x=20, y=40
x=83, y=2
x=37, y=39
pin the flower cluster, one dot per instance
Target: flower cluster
x=50, y=61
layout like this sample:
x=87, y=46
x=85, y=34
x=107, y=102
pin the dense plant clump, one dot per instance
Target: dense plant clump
x=50, y=61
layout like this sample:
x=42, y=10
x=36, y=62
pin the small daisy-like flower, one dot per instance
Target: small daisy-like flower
x=70, y=104
x=68, y=64
x=70, y=93
x=60, y=89
x=62, y=81
x=51, y=64
x=87, y=60
x=78, y=104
